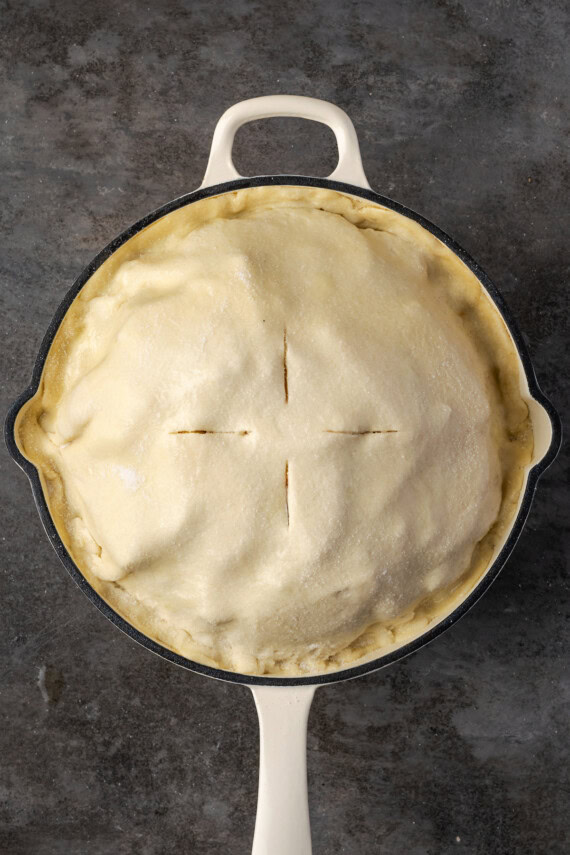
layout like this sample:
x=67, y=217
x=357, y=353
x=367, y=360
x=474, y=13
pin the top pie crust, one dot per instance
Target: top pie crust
x=280, y=430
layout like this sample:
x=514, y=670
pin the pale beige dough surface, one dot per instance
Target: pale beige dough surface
x=274, y=426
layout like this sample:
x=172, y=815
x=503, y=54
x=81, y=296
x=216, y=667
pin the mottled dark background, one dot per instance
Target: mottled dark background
x=108, y=109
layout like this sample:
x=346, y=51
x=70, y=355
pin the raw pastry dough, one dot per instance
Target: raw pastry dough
x=275, y=426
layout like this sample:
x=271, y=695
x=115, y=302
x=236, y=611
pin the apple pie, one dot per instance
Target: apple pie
x=281, y=430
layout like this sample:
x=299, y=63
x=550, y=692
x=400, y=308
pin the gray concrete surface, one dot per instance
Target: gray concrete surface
x=107, y=112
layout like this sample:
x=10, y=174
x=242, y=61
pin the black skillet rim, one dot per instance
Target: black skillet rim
x=248, y=679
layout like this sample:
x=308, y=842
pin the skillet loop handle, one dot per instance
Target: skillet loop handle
x=282, y=824
x=220, y=165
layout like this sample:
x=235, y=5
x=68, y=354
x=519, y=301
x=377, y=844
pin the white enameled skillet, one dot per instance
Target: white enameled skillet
x=282, y=825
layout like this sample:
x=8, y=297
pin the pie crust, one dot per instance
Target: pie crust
x=281, y=430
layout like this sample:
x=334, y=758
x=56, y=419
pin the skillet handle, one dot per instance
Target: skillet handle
x=220, y=165
x=282, y=824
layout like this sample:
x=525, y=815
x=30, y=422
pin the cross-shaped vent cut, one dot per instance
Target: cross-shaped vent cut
x=203, y=431
x=358, y=432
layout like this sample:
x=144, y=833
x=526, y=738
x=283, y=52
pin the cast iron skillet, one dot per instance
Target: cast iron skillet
x=282, y=825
